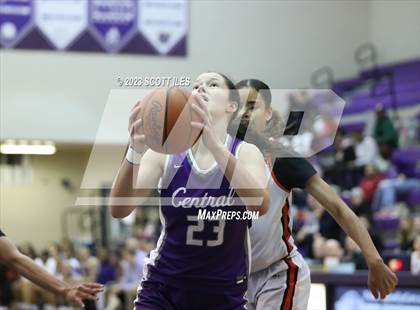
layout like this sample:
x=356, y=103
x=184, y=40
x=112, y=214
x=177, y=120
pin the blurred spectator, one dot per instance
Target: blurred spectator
x=354, y=254
x=89, y=264
x=28, y=249
x=416, y=224
x=415, y=255
x=318, y=247
x=49, y=260
x=107, y=269
x=131, y=271
x=29, y=294
x=375, y=235
x=406, y=233
x=370, y=182
x=333, y=253
x=386, y=194
x=124, y=292
x=409, y=230
x=366, y=150
x=332, y=248
x=384, y=132
x=358, y=202
x=132, y=244
x=328, y=227
x=339, y=172
x=65, y=245
x=69, y=258
x=304, y=237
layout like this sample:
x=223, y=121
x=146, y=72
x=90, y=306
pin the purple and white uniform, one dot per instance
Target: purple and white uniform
x=197, y=264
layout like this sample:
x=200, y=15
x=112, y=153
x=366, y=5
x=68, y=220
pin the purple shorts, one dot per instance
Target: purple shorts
x=158, y=296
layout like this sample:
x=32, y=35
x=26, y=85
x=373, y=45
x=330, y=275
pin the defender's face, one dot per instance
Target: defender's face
x=253, y=109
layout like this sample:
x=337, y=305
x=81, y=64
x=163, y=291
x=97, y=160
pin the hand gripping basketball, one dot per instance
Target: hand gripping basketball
x=135, y=128
x=166, y=116
x=209, y=136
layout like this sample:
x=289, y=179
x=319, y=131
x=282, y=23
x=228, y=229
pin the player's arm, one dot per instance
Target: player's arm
x=135, y=183
x=247, y=174
x=141, y=165
x=10, y=256
x=381, y=279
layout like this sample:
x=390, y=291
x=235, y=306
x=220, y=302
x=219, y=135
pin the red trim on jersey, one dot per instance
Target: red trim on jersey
x=278, y=182
x=292, y=274
x=286, y=228
x=270, y=163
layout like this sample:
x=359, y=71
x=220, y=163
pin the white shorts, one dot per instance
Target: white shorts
x=283, y=285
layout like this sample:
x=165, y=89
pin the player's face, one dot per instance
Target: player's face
x=212, y=88
x=254, y=109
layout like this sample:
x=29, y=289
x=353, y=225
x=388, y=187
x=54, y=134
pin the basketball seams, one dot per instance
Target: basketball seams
x=191, y=119
x=165, y=119
x=165, y=122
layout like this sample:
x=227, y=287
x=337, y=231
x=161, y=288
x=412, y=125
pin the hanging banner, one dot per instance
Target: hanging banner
x=61, y=21
x=112, y=26
x=163, y=23
x=16, y=18
x=113, y=22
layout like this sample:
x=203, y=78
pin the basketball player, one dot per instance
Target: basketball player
x=10, y=256
x=280, y=277
x=197, y=264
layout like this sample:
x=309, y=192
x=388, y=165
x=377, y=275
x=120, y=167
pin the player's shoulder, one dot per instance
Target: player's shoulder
x=248, y=149
x=293, y=172
x=288, y=160
x=292, y=166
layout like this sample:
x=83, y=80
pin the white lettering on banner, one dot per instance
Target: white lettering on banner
x=6, y=9
x=113, y=11
x=202, y=202
x=113, y=17
x=61, y=22
x=114, y=4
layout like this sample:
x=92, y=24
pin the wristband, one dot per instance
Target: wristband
x=132, y=156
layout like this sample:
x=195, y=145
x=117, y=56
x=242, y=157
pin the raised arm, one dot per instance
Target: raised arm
x=139, y=173
x=135, y=183
x=10, y=256
x=381, y=279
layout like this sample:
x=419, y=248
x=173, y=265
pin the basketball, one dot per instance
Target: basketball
x=167, y=117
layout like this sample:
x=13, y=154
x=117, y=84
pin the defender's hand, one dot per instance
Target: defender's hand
x=381, y=280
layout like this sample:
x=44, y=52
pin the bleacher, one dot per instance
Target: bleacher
x=363, y=92
x=397, y=88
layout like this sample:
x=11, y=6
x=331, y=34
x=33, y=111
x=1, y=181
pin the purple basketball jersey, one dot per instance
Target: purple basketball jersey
x=199, y=253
